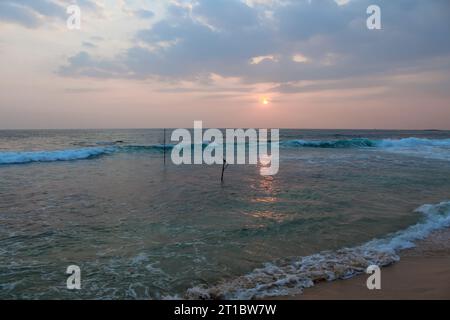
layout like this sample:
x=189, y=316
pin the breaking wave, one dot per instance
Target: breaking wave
x=291, y=276
x=368, y=143
x=428, y=148
x=413, y=143
x=419, y=147
x=49, y=156
x=349, y=143
x=21, y=157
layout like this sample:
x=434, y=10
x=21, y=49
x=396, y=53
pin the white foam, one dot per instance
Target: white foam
x=413, y=142
x=438, y=149
x=48, y=156
x=292, y=276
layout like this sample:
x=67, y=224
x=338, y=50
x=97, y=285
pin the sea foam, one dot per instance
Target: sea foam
x=346, y=143
x=412, y=143
x=291, y=276
x=49, y=156
x=368, y=143
x=425, y=148
x=438, y=149
x=21, y=157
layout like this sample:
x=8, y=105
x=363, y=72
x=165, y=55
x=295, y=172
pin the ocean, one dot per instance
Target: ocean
x=140, y=227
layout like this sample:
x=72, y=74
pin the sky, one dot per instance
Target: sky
x=229, y=63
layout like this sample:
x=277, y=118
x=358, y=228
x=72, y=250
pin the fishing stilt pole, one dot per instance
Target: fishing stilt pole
x=164, y=146
x=224, y=166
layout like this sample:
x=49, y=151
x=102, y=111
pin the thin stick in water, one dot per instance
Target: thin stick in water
x=164, y=148
x=224, y=166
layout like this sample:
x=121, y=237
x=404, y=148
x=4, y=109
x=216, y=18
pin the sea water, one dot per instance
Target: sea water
x=142, y=228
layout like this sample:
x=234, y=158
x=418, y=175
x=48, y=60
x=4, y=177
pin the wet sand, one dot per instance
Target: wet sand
x=422, y=273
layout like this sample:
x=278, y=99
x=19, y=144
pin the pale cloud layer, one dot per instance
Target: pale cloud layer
x=195, y=58
x=35, y=13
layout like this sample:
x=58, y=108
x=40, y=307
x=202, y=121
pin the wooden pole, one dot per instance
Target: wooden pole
x=164, y=146
x=224, y=166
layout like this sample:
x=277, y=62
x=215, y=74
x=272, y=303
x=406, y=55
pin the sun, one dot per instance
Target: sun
x=265, y=101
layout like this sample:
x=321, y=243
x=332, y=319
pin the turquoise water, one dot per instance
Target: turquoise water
x=138, y=228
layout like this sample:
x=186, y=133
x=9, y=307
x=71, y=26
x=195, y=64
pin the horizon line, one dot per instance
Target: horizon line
x=280, y=128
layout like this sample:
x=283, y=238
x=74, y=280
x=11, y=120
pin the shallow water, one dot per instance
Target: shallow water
x=142, y=229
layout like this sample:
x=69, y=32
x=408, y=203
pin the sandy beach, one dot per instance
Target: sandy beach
x=422, y=273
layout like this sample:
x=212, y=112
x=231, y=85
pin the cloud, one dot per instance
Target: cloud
x=83, y=64
x=226, y=15
x=83, y=90
x=225, y=37
x=89, y=45
x=14, y=13
x=34, y=13
x=144, y=14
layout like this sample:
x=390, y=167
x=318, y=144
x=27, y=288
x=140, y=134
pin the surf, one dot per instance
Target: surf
x=22, y=157
x=346, y=143
x=292, y=276
x=410, y=142
x=421, y=147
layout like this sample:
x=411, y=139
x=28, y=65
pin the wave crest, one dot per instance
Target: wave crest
x=50, y=156
x=368, y=143
x=349, y=143
x=21, y=157
x=428, y=148
x=413, y=143
x=291, y=276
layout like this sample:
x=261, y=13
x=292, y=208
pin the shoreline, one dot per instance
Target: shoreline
x=423, y=272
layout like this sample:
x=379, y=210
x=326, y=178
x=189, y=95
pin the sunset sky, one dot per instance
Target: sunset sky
x=229, y=63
